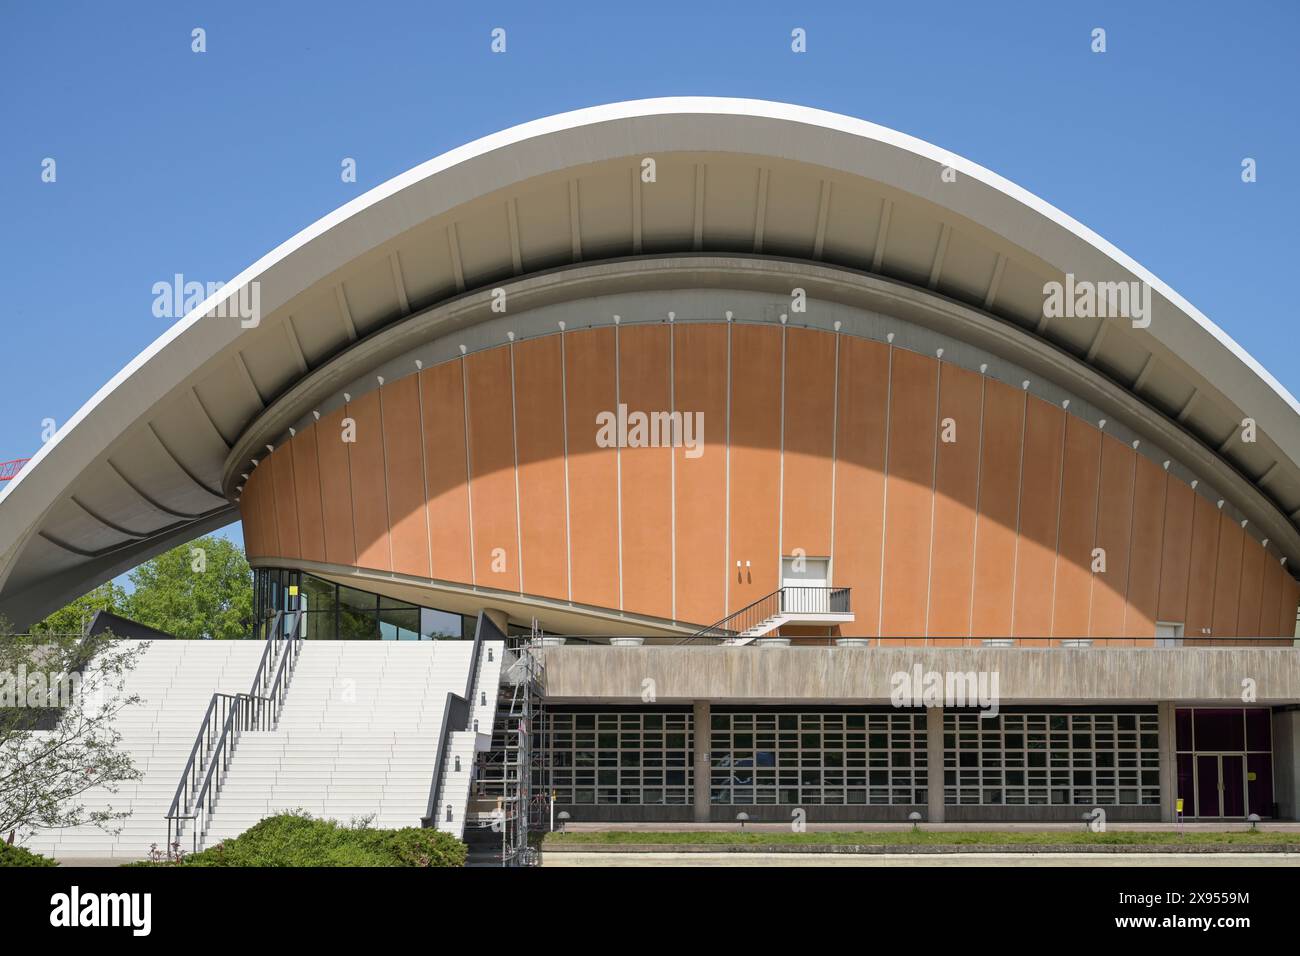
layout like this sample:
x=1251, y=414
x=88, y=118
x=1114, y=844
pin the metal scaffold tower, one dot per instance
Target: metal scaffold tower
x=525, y=801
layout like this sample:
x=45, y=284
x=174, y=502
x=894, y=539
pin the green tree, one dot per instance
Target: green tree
x=60, y=696
x=203, y=589
x=76, y=617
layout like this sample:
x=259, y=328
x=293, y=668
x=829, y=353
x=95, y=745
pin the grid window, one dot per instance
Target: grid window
x=1051, y=759
x=818, y=759
x=620, y=758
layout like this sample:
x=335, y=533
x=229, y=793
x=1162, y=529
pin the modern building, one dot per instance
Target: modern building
x=765, y=416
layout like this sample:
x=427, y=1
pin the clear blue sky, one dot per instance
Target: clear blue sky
x=171, y=161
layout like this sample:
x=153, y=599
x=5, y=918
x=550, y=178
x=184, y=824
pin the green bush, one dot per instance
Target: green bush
x=297, y=839
x=17, y=856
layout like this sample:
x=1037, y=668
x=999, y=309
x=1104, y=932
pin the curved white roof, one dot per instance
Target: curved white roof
x=140, y=467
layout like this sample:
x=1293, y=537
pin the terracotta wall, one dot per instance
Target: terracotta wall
x=951, y=504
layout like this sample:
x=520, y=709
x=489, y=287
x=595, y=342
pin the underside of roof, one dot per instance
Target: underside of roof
x=141, y=466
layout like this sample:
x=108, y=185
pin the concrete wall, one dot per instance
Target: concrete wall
x=863, y=675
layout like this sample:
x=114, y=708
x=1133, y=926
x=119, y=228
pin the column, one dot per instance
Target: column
x=1286, y=761
x=934, y=763
x=702, y=725
x=1168, y=763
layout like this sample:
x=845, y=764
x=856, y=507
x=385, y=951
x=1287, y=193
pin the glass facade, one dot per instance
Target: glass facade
x=1225, y=761
x=1027, y=759
x=340, y=612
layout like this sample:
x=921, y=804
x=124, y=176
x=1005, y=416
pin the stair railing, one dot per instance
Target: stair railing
x=456, y=715
x=791, y=599
x=227, y=717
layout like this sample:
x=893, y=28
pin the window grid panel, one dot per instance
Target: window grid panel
x=1051, y=759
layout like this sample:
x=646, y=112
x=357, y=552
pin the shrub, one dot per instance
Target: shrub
x=297, y=839
x=17, y=856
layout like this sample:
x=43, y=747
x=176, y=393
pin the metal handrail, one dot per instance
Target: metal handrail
x=456, y=713
x=789, y=599
x=255, y=710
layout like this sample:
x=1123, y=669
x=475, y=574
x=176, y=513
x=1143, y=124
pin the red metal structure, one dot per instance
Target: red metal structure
x=10, y=469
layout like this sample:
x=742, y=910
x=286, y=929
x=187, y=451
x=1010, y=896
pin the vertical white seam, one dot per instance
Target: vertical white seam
x=564, y=417
x=780, y=474
x=1060, y=500
x=835, y=435
x=388, y=503
x=618, y=462
x=934, y=492
x=979, y=492
x=884, y=497
x=726, y=549
x=1020, y=494
x=1096, y=528
x=514, y=437
x=672, y=468
x=469, y=470
x=1128, y=581
x=424, y=468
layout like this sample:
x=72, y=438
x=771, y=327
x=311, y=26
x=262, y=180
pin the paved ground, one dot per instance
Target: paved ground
x=555, y=858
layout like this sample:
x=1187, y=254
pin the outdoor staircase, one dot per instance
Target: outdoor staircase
x=792, y=604
x=175, y=680
x=358, y=738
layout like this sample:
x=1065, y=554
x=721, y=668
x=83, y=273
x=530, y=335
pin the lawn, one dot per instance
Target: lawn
x=920, y=838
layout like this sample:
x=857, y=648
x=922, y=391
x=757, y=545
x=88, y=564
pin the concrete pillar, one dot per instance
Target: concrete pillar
x=1168, y=763
x=703, y=786
x=934, y=763
x=1286, y=762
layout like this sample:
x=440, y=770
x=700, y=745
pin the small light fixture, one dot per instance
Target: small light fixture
x=1254, y=822
x=741, y=818
x=564, y=817
x=915, y=817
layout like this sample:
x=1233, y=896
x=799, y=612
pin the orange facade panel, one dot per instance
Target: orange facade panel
x=490, y=406
x=909, y=492
x=1227, y=577
x=755, y=491
x=1040, y=508
x=286, y=504
x=1252, y=588
x=404, y=454
x=1270, y=596
x=1203, y=564
x=307, y=487
x=700, y=483
x=861, y=427
x=1146, y=565
x=1176, y=552
x=956, y=493
x=539, y=417
x=442, y=399
x=997, y=522
x=336, y=488
x=369, y=484
x=1287, y=611
x=1077, y=529
x=590, y=389
x=809, y=442
x=1114, y=536
x=644, y=387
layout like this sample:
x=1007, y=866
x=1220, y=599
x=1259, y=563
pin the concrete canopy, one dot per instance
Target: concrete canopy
x=150, y=461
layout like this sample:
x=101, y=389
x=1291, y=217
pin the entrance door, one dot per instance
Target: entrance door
x=806, y=581
x=1220, y=785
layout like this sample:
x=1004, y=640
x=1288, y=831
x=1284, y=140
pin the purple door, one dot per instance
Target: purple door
x=1207, y=786
x=1233, y=777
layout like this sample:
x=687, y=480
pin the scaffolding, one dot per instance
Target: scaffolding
x=523, y=803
